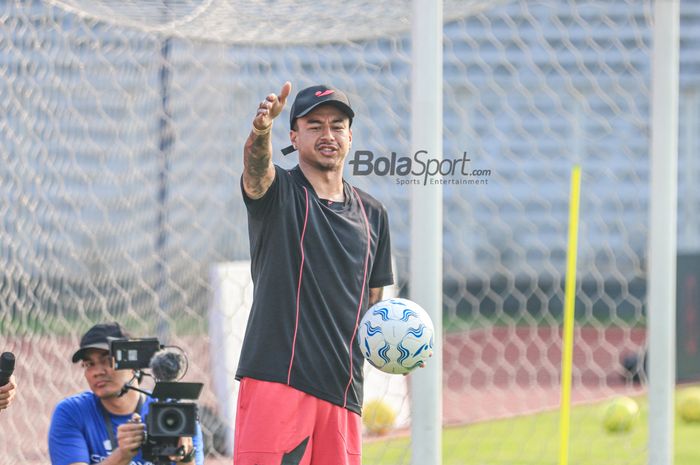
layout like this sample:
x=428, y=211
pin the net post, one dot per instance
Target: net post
x=662, y=230
x=426, y=226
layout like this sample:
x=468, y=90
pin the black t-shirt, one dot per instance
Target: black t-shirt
x=312, y=268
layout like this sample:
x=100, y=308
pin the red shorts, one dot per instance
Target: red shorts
x=279, y=425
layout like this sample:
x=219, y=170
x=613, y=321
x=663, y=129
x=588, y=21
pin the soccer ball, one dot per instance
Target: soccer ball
x=396, y=336
x=620, y=414
x=378, y=417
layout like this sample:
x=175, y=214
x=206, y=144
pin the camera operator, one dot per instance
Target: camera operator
x=7, y=393
x=104, y=425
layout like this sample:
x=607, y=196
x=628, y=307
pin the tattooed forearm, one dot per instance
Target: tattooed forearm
x=258, y=170
x=257, y=175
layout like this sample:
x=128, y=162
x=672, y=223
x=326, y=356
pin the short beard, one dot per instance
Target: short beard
x=327, y=168
x=110, y=393
x=331, y=165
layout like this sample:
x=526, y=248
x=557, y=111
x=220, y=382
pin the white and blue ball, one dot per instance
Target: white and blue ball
x=396, y=336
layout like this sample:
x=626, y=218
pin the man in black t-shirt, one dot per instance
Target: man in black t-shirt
x=320, y=256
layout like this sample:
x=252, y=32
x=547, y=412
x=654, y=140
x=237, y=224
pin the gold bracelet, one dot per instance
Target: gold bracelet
x=262, y=132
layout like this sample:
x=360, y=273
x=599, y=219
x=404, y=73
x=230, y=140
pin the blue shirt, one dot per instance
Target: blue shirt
x=78, y=433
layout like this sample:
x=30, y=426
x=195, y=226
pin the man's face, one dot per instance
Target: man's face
x=323, y=138
x=102, y=378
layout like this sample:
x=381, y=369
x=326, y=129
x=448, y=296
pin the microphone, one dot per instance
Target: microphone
x=7, y=366
x=168, y=365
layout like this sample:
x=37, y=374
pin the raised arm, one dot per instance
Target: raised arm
x=258, y=171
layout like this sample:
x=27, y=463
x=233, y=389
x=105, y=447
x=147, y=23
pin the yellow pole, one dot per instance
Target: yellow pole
x=569, y=303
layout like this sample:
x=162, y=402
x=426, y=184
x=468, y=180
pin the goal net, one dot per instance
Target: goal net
x=121, y=153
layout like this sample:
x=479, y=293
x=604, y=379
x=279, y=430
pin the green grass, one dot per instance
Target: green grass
x=534, y=440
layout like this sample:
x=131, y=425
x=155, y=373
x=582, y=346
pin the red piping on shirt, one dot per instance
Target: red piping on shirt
x=362, y=294
x=301, y=272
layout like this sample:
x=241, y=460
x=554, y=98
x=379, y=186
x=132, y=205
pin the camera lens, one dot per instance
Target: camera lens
x=171, y=421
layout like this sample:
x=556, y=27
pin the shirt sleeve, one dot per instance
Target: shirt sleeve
x=198, y=446
x=66, y=441
x=382, y=273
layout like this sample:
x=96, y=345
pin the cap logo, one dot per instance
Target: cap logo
x=324, y=93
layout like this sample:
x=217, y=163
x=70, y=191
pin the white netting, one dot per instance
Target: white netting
x=258, y=22
x=120, y=156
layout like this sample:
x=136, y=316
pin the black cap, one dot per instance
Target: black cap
x=98, y=337
x=311, y=97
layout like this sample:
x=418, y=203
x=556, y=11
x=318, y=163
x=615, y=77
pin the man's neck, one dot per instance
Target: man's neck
x=123, y=405
x=327, y=184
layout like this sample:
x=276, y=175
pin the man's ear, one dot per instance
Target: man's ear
x=293, y=138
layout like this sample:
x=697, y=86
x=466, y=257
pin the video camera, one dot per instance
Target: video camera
x=173, y=414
